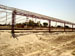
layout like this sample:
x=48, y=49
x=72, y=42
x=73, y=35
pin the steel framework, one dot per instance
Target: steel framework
x=16, y=11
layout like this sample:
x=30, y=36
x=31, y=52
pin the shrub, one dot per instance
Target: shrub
x=59, y=26
x=31, y=23
x=67, y=27
x=45, y=24
x=20, y=25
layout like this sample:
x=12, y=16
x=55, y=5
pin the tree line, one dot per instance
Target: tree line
x=31, y=23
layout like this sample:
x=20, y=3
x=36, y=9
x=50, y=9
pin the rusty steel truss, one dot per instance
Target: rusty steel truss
x=16, y=11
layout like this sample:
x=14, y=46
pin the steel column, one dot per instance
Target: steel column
x=64, y=27
x=49, y=25
x=13, y=23
x=72, y=27
x=6, y=18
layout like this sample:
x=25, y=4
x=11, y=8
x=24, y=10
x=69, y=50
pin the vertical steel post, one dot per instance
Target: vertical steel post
x=26, y=21
x=49, y=25
x=6, y=18
x=13, y=23
x=64, y=27
x=72, y=27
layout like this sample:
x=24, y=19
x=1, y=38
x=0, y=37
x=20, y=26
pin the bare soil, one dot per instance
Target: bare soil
x=37, y=44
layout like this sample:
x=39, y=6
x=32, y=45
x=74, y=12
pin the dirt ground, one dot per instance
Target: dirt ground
x=37, y=44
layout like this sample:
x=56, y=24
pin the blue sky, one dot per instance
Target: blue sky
x=62, y=9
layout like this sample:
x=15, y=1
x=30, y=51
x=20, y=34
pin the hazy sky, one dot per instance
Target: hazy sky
x=62, y=9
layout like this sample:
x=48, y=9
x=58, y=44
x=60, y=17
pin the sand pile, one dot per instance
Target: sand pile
x=37, y=44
